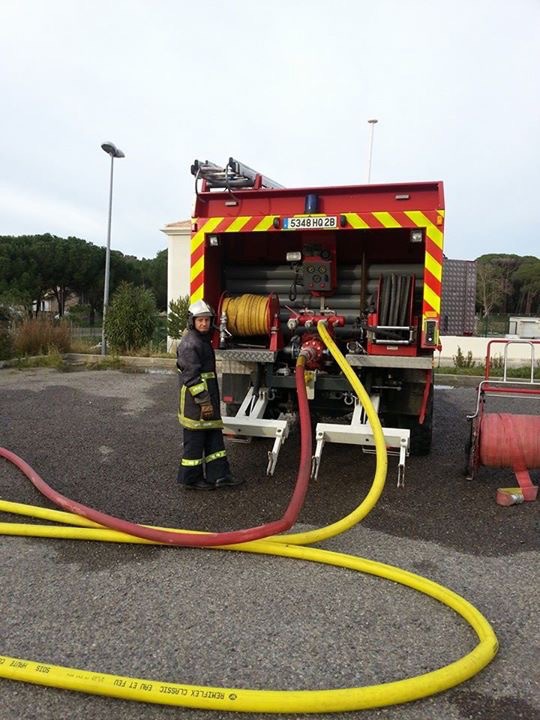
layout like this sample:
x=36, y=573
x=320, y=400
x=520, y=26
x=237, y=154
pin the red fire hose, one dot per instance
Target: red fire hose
x=197, y=539
x=510, y=441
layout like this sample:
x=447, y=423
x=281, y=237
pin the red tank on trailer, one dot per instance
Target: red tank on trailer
x=506, y=440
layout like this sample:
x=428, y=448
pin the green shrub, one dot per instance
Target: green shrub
x=496, y=362
x=40, y=336
x=460, y=361
x=79, y=314
x=131, y=318
x=12, y=308
x=177, y=317
x=6, y=343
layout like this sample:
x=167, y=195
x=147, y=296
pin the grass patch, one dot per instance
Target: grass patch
x=157, y=350
x=109, y=362
x=53, y=359
x=154, y=350
x=495, y=372
x=84, y=347
x=452, y=370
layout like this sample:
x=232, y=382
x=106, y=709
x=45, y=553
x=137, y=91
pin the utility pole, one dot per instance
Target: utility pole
x=111, y=149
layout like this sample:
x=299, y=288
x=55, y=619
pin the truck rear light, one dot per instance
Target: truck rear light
x=431, y=332
x=294, y=257
x=276, y=223
x=416, y=236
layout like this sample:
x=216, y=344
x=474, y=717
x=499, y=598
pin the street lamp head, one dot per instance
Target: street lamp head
x=372, y=122
x=111, y=149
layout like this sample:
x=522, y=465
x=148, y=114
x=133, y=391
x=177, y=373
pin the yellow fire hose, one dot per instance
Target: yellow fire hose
x=291, y=546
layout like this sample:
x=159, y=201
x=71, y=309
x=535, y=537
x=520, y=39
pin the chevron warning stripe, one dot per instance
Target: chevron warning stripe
x=430, y=221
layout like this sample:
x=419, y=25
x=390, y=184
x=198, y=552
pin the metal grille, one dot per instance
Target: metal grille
x=458, y=297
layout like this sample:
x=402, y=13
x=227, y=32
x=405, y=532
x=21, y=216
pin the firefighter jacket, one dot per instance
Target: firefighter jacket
x=196, y=364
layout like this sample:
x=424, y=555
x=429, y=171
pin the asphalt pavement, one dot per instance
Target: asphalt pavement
x=111, y=440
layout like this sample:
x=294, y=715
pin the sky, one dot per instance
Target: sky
x=285, y=86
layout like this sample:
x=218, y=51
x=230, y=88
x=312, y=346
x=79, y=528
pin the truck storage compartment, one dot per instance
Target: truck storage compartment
x=365, y=261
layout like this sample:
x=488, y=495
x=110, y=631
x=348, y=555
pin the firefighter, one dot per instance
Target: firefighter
x=204, y=465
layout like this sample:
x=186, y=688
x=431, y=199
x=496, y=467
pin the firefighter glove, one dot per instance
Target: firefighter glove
x=207, y=411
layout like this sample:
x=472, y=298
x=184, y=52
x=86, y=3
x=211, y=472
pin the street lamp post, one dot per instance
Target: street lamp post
x=372, y=122
x=111, y=149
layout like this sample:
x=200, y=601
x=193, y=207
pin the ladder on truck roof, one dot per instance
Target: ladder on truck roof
x=235, y=175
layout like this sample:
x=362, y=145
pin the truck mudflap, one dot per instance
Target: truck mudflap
x=249, y=422
x=359, y=432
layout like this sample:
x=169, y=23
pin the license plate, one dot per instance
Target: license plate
x=310, y=222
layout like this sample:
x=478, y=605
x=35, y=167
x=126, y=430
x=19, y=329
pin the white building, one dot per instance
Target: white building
x=178, y=267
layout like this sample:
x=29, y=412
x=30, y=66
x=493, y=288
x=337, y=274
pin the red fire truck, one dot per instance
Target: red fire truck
x=365, y=259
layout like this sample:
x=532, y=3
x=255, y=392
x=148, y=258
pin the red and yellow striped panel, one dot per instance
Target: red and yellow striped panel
x=432, y=261
x=197, y=257
x=242, y=223
x=432, y=221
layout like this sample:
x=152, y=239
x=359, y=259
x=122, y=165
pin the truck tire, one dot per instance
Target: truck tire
x=422, y=435
x=231, y=409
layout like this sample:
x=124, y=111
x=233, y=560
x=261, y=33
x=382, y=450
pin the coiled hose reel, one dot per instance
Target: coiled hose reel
x=248, y=316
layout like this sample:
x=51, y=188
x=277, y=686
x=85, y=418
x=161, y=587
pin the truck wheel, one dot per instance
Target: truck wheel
x=422, y=435
x=232, y=409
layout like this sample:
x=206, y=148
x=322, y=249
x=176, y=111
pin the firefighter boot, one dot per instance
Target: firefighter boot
x=228, y=481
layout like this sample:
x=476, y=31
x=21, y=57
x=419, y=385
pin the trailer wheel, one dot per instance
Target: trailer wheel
x=472, y=450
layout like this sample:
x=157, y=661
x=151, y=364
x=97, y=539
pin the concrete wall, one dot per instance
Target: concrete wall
x=518, y=353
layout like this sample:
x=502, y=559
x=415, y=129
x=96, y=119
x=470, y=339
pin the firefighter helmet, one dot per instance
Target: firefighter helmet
x=199, y=309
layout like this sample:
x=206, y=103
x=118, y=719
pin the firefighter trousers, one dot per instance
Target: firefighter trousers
x=204, y=457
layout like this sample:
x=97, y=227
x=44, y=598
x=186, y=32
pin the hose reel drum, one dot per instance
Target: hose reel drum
x=506, y=440
x=503, y=440
x=249, y=316
x=253, y=316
